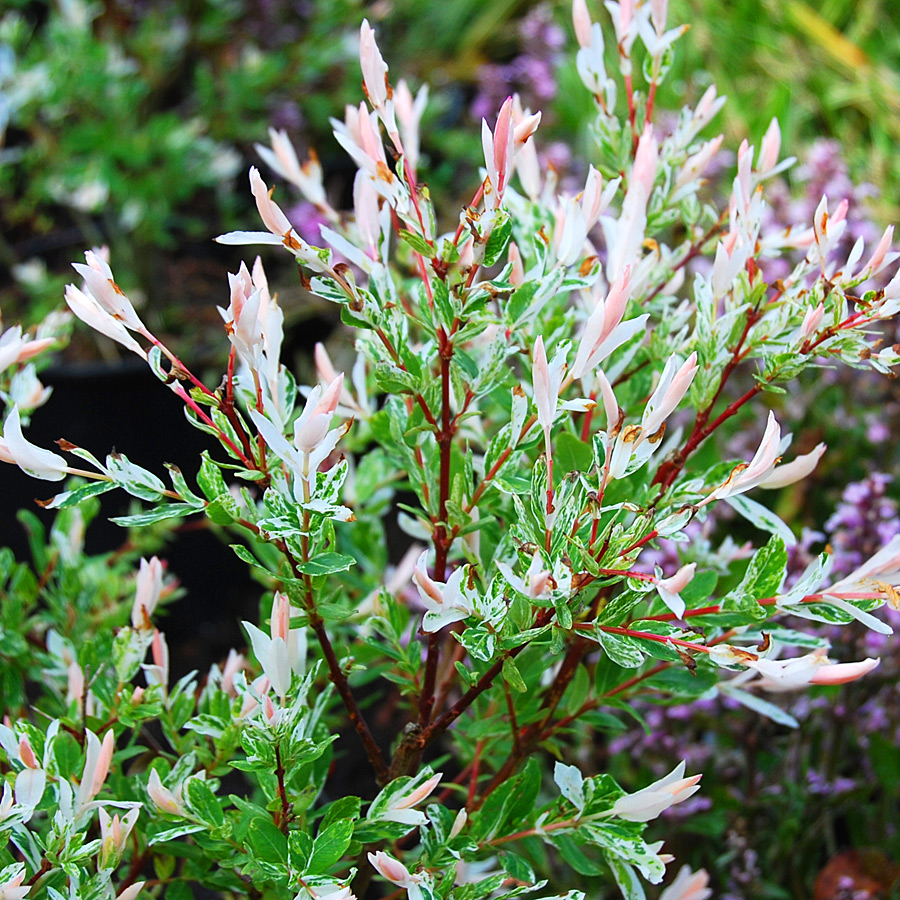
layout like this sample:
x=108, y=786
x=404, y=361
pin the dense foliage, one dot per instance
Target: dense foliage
x=543, y=396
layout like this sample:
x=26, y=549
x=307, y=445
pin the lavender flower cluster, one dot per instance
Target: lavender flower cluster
x=822, y=170
x=702, y=733
x=531, y=73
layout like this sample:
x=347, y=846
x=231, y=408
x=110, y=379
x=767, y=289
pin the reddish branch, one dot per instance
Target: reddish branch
x=284, y=819
x=437, y=727
x=695, y=250
x=336, y=673
x=530, y=736
x=442, y=540
x=339, y=679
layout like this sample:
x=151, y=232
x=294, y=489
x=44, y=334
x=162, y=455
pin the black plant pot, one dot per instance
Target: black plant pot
x=124, y=407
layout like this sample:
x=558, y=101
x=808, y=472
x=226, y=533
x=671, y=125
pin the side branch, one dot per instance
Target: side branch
x=442, y=540
x=338, y=678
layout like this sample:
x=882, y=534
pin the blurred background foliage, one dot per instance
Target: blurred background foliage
x=826, y=69
x=131, y=123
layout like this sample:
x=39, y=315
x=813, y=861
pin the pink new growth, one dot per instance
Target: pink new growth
x=688, y=885
x=813, y=668
x=148, y=588
x=315, y=420
x=647, y=804
x=582, y=21
x=374, y=68
x=98, y=279
x=391, y=869
x=498, y=147
x=269, y=211
x=417, y=795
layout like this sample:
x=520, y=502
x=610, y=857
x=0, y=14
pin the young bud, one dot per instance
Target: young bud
x=409, y=115
x=670, y=391
x=114, y=835
x=131, y=892
x=32, y=460
x=164, y=800
x=282, y=159
x=769, y=149
x=394, y=871
x=669, y=589
x=98, y=757
x=581, y=18
x=811, y=321
x=374, y=68
x=799, y=672
x=11, y=888
x=98, y=279
x=400, y=808
x=315, y=420
x=793, y=471
x=498, y=154
x=688, y=885
x=158, y=671
x=148, y=589
x=648, y=803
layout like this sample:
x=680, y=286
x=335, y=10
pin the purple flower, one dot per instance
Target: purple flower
x=864, y=521
x=531, y=74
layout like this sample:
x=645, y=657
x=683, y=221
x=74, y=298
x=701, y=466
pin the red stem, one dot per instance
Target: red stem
x=189, y=400
x=442, y=540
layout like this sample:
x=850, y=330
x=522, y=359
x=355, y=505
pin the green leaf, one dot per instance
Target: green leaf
x=394, y=380
x=607, y=675
x=67, y=753
x=300, y=847
x=326, y=564
x=616, y=611
x=525, y=793
x=223, y=510
x=575, y=856
x=330, y=845
x=267, y=842
x=578, y=689
x=134, y=479
x=520, y=301
x=467, y=363
x=512, y=676
x=418, y=243
x=148, y=517
x=480, y=643
x=476, y=890
x=623, y=650
x=170, y=834
x=700, y=589
x=76, y=495
x=342, y=808
x=761, y=580
x=244, y=554
x=626, y=878
x=499, y=239
x=202, y=801
x=443, y=304
x=563, y=613
x=571, y=454
x=517, y=867
x=758, y=705
x=181, y=486
x=762, y=517
x=179, y=890
x=682, y=683
x=210, y=479
x=623, y=841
